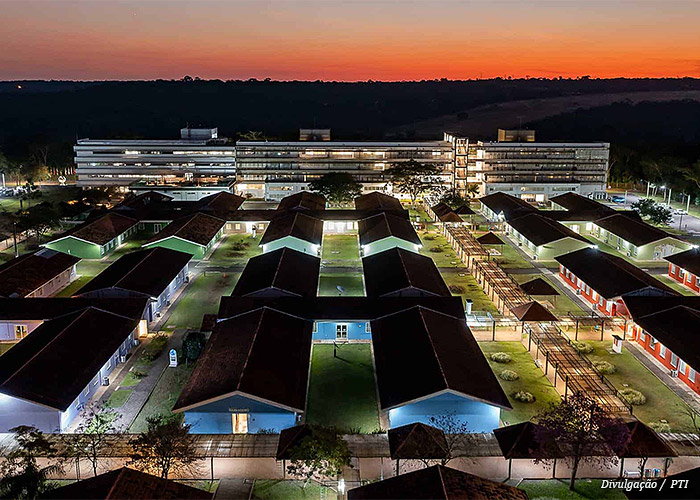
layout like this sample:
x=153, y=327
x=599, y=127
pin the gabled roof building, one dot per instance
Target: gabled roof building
x=385, y=231
x=49, y=376
x=602, y=279
x=95, y=237
x=195, y=234
x=684, y=267
x=544, y=238
x=294, y=230
x=400, y=273
x=38, y=274
x=279, y=273
x=155, y=273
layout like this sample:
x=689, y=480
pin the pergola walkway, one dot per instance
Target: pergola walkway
x=571, y=371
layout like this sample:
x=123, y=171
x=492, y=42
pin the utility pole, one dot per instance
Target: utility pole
x=648, y=186
x=14, y=232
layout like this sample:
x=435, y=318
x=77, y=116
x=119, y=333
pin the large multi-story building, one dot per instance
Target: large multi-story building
x=199, y=153
x=274, y=169
x=533, y=171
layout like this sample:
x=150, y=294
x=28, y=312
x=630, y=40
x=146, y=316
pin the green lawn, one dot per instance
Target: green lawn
x=275, y=489
x=341, y=250
x=352, y=285
x=532, y=380
x=683, y=290
x=118, y=398
x=342, y=390
x=509, y=257
x=445, y=256
x=201, y=297
x=130, y=380
x=583, y=490
x=6, y=346
x=164, y=395
x=86, y=270
x=54, y=194
x=662, y=402
x=467, y=287
x=236, y=249
x=562, y=303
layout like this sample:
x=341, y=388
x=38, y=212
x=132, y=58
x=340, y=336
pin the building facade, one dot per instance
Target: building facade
x=534, y=171
x=272, y=170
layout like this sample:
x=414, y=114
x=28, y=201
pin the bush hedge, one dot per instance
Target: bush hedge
x=660, y=426
x=582, y=347
x=509, y=375
x=604, y=367
x=524, y=397
x=501, y=357
x=632, y=396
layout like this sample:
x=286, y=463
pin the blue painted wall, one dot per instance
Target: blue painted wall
x=215, y=418
x=480, y=417
x=327, y=330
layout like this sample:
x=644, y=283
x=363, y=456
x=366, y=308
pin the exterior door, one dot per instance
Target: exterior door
x=239, y=423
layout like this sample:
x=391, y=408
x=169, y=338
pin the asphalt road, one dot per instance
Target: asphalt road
x=689, y=223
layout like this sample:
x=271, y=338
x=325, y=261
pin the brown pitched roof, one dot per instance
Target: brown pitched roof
x=377, y=201
x=51, y=307
x=538, y=286
x=437, y=483
x=490, y=239
x=147, y=271
x=282, y=272
x=220, y=204
x=294, y=224
x=21, y=276
x=635, y=231
x=56, y=362
x=522, y=441
x=303, y=200
x=540, y=230
x=262, y=353
x=643, y=442
x=399, y=270
x=464, y=210
x=417, y=441
x=197, y=228
x=609, y=275
x=127, y=484
x=382, y=226
x=442, y=210
x=688, y=260
x=533, y=311
x=675, y=326
x=575, y=202
x=420, y=353
x=509, y=205
x=102, y=229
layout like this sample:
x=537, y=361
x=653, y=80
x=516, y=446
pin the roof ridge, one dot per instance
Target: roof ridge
x=79, y=314
x=250, y=350
x=148, y=252
x=432, y=344
x=115, y=483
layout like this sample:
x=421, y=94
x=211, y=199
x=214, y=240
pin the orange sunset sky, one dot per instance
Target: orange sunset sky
x=347, y=39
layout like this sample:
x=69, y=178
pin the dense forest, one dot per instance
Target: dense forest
x=41, y=120
x=55, y=113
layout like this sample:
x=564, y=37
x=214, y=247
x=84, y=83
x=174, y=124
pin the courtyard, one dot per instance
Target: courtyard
x=342, y=390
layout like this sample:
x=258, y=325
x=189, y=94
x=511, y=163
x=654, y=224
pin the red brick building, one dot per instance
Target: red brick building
x=684, y=267
x=602, y=279
x=667, y=328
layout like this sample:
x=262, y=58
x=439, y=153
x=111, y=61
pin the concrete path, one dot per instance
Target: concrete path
x=234, y=489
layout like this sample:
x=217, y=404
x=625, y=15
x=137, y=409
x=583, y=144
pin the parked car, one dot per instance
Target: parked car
x=679, y=211
x=618, y=199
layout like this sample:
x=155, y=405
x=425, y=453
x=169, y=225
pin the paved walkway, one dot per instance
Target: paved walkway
x=234, y=489
x=662, y=373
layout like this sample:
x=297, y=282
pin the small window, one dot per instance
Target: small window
x=691, y=375
x=86, y=391
x=341, y=331
x=674, y=360
x=368, y=327
x=642, y=336
x=681, y=366
x=662, y=351
x=315, y=328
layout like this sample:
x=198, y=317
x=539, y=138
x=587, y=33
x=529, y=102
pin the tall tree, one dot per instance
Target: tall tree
x=166, y=446
x=652, y=211
x=412, y=178
x=21, y=477
x=91, y=436
x=252, y=135
x=458, y=435
x=578, y=426
x=321, y=454
x=339, y=188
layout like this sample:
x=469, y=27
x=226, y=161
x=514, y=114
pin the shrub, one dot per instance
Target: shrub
x=524, y=397
x=509, y=375
x=582, y=347
x=437, y=250
x=193, y=345
x=660, y=426
x=139, y=374
x=604, y=367
x=239, y=246
x=632, y=396
x=429, y=237
x=501, y=357
x=456, y=289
